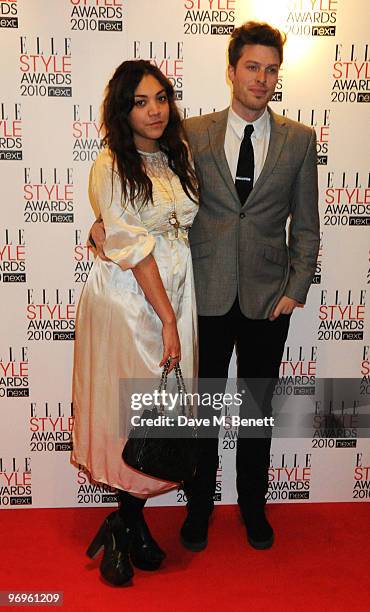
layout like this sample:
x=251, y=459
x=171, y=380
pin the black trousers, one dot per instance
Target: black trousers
x=259, y=348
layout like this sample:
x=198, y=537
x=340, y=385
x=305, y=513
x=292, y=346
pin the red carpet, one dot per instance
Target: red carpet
x=320, y=561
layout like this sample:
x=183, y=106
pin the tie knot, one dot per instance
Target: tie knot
x=248, y=130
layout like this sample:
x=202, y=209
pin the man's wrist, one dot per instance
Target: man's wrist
x=91, y=239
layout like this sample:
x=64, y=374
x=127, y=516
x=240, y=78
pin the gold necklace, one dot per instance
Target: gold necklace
x=172, y=219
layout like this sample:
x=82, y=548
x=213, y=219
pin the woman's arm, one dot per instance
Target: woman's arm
x=124, y=240
x=147, y=275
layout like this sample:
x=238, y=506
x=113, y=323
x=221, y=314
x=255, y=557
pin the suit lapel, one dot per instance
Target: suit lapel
x=277, y=140
x=216, y=134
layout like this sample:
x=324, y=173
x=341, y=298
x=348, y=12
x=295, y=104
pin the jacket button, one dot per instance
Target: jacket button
x=242, y=215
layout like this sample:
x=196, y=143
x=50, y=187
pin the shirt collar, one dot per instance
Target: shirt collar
x=238, y=124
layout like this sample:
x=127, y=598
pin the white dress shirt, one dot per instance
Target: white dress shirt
x=260, y=139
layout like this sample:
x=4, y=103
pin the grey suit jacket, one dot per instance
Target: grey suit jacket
x=242, y=250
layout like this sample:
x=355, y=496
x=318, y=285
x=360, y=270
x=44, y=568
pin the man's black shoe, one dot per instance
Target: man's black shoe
x=260, y=534
x=194, y=532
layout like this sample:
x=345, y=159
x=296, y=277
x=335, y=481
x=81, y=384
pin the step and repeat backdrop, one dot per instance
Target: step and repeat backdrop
x=57, y=57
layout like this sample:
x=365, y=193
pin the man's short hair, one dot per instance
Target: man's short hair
x=255, y=33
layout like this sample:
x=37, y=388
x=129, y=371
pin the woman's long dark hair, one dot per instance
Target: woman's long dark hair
x=118, y=103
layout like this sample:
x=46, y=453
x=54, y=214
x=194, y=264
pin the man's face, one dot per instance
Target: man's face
x=254, y=80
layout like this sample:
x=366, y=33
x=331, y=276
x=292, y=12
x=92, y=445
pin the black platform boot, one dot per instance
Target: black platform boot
x=144, y=550
x=115, y=537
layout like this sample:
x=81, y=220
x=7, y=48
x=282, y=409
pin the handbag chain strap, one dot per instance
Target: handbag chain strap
x=180, y=387
x=182, y=390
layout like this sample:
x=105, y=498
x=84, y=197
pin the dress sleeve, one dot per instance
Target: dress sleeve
x=127, y=240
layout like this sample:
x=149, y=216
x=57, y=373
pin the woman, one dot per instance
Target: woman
x=137, y=309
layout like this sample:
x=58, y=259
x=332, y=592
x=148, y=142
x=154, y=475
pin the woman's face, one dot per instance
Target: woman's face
x=149, y=116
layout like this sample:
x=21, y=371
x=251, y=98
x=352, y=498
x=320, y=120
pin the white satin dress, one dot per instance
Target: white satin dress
x=118, y=334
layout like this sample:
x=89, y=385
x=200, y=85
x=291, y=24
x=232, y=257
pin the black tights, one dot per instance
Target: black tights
x=130, y=507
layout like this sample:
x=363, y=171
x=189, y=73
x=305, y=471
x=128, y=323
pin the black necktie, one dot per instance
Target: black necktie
x=245, y=170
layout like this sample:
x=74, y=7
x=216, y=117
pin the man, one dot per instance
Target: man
x=247, y=280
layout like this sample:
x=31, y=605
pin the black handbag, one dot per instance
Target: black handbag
x=170, y=456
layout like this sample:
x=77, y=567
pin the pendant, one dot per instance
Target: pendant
x=173, y=220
